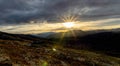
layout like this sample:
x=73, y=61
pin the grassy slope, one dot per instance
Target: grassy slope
x=17, y=53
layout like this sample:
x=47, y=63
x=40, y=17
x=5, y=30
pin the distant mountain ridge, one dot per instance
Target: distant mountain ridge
x=73, y=33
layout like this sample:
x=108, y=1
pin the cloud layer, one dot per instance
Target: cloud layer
x=16, y=11
x=37, y=28
x=92, y=14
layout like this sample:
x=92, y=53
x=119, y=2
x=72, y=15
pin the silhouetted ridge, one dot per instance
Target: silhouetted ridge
x=7, y=36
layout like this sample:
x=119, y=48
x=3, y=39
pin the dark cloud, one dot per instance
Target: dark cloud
x=17, y=11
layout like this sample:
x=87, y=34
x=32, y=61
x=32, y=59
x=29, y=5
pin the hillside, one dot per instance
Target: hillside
x=23, y=52
x=107, y=42
x=16, y=54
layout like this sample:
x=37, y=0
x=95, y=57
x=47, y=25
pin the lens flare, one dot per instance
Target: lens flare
x=54, y=49
x=69, y=23
x=69, y=18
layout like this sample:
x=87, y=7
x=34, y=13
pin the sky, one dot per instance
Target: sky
x=36, y=16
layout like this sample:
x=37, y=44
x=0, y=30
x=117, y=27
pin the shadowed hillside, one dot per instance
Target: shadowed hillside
x=107, y=42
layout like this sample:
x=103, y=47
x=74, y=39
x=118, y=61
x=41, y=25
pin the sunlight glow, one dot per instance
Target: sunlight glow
x=69, y=20
x=42, y=27
x=68, y=24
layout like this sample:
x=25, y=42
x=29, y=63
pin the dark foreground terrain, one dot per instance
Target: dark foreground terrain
x=26, y=50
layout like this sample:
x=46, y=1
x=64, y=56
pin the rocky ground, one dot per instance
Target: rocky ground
x=18, y=53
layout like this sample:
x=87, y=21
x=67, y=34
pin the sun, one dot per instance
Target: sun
x=69, y=20
x=68, y=24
